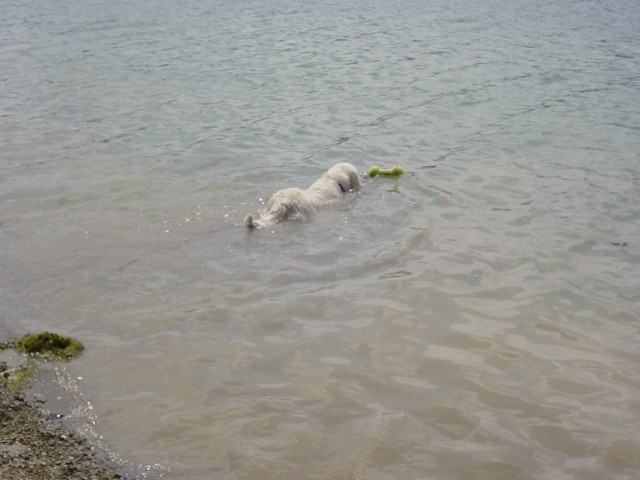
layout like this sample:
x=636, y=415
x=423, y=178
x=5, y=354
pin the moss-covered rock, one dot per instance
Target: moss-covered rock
x=47, y=344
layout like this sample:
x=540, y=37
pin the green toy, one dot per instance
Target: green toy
x=387, y=172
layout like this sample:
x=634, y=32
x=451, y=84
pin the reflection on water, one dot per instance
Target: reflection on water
x=475, y=318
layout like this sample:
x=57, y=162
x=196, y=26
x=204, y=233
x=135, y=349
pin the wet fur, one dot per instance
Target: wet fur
x=299, y=204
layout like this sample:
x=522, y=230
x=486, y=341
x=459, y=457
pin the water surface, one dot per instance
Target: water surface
x=476, y=318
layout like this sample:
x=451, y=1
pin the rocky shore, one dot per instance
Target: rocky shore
x=33, y=447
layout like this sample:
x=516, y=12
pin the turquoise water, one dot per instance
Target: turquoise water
x=476, y=318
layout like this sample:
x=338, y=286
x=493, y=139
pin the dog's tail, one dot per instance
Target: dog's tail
x=250, y=222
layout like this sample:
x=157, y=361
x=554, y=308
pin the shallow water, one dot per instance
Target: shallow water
x=476, y=318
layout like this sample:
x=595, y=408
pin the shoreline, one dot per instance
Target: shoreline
x=37, y=446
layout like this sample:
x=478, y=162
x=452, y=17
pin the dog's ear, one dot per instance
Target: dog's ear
x=354, y=179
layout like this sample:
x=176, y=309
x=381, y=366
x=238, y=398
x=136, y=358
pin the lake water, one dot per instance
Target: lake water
x=477, y=318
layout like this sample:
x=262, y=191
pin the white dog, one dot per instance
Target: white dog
x=298, y=204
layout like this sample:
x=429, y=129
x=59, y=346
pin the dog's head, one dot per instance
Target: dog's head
x=345, y=175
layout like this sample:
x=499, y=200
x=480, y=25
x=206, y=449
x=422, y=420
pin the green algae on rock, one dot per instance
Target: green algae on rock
x=16, y=378
x=47, y=344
